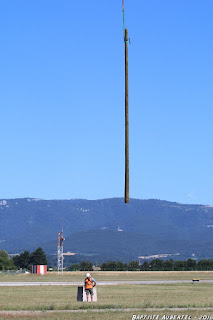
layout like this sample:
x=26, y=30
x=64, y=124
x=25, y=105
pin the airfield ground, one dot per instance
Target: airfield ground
x=114, y=302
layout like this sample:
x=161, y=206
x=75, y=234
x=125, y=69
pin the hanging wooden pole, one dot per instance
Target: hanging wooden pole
x=126, y=119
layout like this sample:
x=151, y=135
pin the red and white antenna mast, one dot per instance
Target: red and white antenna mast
x=60, y=248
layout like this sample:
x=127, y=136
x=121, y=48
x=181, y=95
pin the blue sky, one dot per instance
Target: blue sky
x=62, y=99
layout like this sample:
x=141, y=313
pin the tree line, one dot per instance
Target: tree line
x=160, y=265
x=24, y=260
x=5, y=262
x=154, y=265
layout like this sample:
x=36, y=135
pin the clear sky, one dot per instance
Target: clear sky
x=62, y=99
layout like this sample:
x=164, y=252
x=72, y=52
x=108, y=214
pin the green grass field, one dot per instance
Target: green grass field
x=54, y=298
x=131, y=296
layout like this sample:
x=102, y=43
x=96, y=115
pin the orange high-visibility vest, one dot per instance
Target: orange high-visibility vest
x=88, y=283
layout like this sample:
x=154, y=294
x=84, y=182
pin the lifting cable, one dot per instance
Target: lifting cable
x=123, y=19
x=128, y=39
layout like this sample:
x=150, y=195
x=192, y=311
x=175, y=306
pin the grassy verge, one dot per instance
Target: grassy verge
x=108, y=315
x=110, y=276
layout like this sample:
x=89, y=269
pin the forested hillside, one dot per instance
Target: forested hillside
x=108, y=228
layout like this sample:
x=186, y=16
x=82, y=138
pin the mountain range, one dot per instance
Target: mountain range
x=107, y=229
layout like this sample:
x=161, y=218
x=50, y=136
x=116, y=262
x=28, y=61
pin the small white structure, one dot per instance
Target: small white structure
x=81, y=295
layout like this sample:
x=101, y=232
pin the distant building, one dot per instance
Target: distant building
x=94, y=268
x=68, y=253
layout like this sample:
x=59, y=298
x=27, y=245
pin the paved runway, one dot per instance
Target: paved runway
x=99, y=283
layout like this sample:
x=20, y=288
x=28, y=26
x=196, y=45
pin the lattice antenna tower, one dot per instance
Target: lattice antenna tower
x=60, y=249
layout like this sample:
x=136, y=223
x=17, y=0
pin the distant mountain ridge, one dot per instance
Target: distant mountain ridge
x=107, y=228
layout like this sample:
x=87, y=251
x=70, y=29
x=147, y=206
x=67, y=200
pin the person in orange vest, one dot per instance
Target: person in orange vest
x=89, y=284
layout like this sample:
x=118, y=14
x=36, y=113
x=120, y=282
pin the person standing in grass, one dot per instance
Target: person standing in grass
x=89, y=284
